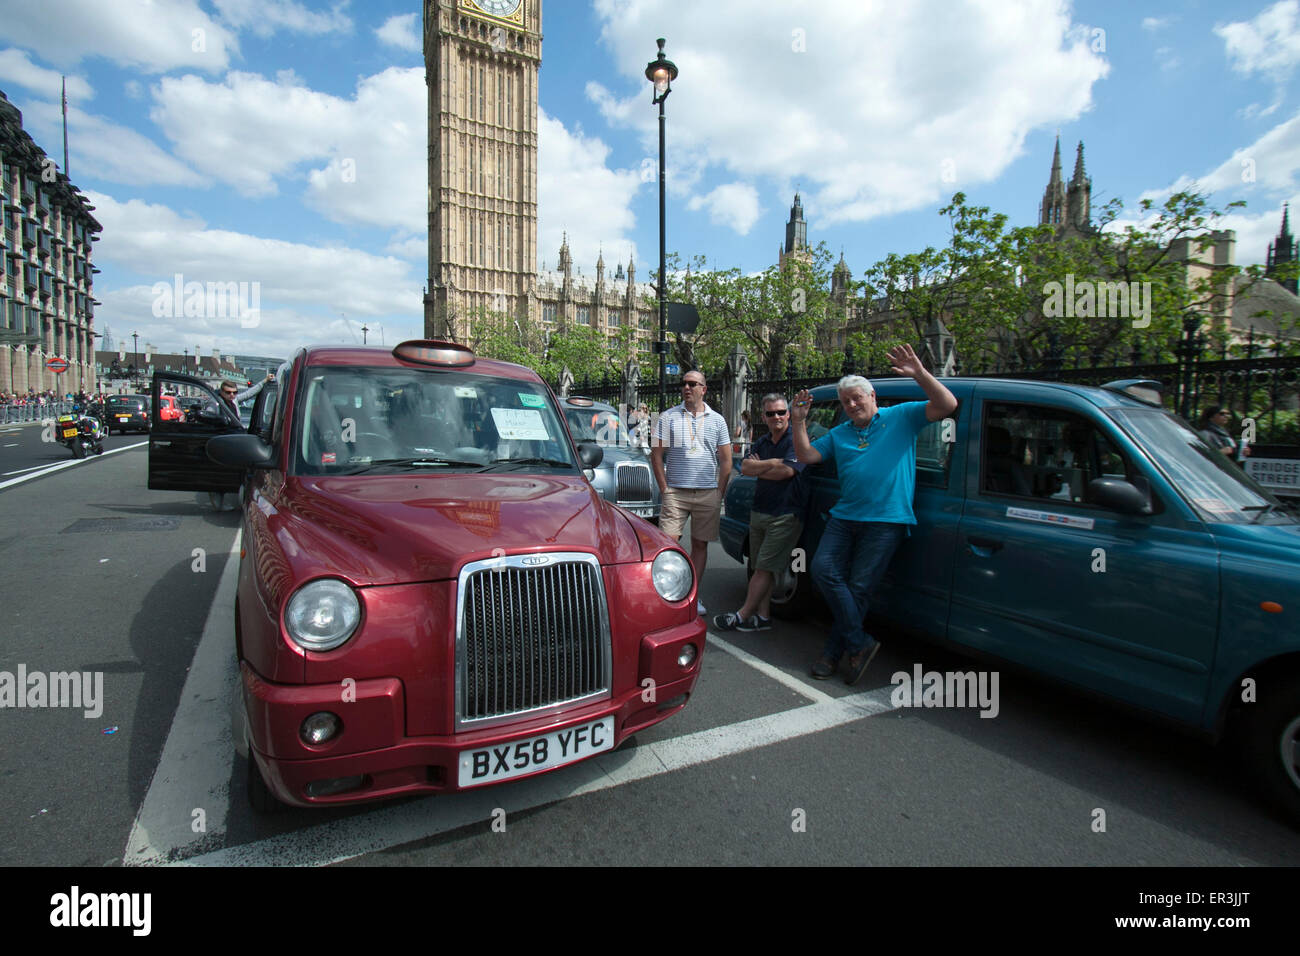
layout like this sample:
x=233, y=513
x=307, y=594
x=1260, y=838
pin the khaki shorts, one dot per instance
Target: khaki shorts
x=772, y=539
x=703, y=505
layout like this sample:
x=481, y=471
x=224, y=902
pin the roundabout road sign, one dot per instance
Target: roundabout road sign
x=57, y=365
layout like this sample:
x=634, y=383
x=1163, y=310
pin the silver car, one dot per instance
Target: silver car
x=624, y=476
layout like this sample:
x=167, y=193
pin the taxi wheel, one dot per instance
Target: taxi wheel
x=1271, y=740
x=260, y=797
x=791, y=592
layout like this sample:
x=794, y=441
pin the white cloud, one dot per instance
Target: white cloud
x=174, y=34
x=17, y=67
x=115, y=153
x=402, y=32
x=579, y=194
x=1268, y=44
x=1167, y=58
x=264, y=17
x=412, y=247
x=1152, y=24
x=302, y=288
x=133, y=89
x=831, y=93
x=734, y=205
x=247, y=130
x=1270, y=165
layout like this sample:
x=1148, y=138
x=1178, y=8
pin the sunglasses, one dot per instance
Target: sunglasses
x=692, y=384
x=777, y=414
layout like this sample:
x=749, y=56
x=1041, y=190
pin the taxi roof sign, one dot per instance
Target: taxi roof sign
x=434, y=352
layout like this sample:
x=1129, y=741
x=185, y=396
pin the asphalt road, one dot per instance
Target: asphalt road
x=764, y=767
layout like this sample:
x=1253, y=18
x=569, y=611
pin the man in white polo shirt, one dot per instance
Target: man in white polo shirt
x=692, y=463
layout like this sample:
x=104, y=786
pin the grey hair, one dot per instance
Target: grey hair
x=850, y=382
x=773, y=397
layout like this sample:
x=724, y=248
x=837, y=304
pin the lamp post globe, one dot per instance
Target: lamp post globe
x=661, y=72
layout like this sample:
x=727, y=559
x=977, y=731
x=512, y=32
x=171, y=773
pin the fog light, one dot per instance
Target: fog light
x=333, y=785
x=687, y=657
x=320, y=728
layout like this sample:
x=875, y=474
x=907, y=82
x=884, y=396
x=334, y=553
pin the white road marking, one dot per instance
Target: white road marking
x=772, y=671
x=12, y=444
x=421, y=819
x=195, y=768
x=67, y=464
x=19, y=471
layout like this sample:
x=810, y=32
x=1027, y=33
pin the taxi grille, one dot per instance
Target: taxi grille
x=634, y=482
x=530, y=638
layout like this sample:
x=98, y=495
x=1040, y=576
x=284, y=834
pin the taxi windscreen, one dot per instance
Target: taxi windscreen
x=372, y=420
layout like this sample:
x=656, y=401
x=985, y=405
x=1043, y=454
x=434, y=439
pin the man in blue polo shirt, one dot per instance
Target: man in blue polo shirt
x=875, y=456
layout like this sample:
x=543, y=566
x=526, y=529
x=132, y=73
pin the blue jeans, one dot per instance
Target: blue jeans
x=851, y=559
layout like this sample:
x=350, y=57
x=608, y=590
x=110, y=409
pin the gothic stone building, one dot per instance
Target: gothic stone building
x=482, y=59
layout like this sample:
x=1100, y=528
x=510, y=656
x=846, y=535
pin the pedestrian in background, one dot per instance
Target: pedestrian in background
x=743, y=434
x=775, y=518
x=874, y=452
x=692, y=464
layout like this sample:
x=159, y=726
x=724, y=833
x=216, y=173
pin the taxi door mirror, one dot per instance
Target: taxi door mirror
x=1118, y=495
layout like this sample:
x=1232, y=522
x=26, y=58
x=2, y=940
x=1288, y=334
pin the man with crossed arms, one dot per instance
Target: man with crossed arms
x=874, y=452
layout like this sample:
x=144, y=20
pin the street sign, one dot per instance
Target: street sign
x=1276, y=474
x=672, y=369
x=681, y=317
x=57, y=365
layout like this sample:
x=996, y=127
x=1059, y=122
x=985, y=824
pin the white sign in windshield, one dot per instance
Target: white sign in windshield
x=520, y=424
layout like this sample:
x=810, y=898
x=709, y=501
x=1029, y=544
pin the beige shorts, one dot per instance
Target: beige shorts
x=703, y=505
x=772, y=539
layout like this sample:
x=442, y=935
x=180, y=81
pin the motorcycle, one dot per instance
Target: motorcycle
x=82, y=434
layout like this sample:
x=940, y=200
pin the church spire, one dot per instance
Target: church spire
x=1283, y=250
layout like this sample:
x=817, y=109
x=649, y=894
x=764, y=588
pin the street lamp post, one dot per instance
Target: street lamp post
x=661, y=72
x=135, y=359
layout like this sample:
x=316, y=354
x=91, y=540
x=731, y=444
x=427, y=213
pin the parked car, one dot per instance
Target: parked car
x=1091, y=536
x=125, y=413
x=169, y=409
x=624, y=475
x=431, y=596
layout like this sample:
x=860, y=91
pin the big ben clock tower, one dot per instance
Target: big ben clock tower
x=481, y=59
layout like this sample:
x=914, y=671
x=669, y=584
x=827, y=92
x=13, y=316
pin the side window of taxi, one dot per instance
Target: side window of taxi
x=934, y=445
x=822, y=417
x=1035, y=451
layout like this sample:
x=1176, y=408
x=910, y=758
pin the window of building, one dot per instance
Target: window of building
x=613, y=320
x=470, y=98
x=548, y=313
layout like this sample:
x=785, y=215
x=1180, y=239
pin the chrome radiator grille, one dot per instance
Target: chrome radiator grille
x=532, y=634
x=634, y=482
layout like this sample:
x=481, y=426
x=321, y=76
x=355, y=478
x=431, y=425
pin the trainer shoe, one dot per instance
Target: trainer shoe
x=699, y=608
x=825, y=668
x=858, y=662
x=731, y=621
x=756, y=623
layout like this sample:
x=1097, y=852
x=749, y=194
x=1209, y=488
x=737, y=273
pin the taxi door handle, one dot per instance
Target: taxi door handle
x=983, y=547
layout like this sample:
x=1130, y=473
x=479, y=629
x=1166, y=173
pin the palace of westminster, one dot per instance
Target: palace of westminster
x=482, y=59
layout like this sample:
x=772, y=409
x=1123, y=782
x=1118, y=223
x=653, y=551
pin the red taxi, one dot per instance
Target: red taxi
x=431, y=594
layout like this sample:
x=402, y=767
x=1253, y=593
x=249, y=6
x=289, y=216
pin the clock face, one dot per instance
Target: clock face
x=497, y=8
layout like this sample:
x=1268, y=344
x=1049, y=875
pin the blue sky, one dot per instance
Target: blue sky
x=222, y=154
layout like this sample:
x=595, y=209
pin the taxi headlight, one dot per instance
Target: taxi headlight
x=673, y=575
x=322, y=615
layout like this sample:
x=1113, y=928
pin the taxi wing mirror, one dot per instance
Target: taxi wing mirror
x=241, y=451
x=590, y=454
x=1118, y=495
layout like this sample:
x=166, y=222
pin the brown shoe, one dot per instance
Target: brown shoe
x=859, y=661
x=825, y=668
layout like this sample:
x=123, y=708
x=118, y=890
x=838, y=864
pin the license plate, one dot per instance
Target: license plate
x=642, y=512
x=543, y=752
x=69, y=432
x=123, y=418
